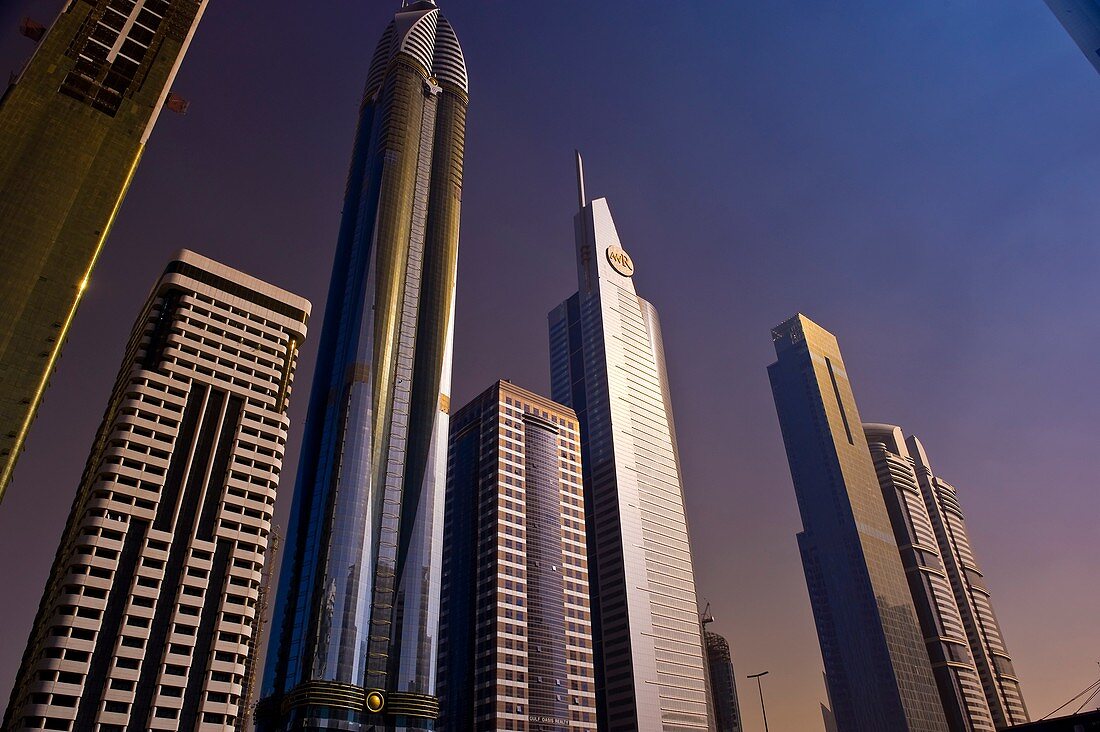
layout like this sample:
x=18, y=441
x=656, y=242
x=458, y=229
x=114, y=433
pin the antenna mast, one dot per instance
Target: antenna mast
x=580, y=180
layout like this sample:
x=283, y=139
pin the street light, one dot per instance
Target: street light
x=760, y=689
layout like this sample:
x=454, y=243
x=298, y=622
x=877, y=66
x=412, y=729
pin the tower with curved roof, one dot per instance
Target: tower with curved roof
x=355, y=625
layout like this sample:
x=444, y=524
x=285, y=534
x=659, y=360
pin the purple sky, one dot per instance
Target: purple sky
x=920, y=178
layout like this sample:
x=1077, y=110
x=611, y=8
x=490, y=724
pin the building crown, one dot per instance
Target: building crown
x=419, y=31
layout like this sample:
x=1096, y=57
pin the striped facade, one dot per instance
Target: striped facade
x=148, y=619
x=945, y=636
x=516, y=629
x=607, y=363
x=987, y=646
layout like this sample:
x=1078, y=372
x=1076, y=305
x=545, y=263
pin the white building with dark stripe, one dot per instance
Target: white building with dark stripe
x=149, y=616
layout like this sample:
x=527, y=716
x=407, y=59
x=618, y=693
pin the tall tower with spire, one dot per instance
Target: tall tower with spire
x=356, y=619
x=607, y=363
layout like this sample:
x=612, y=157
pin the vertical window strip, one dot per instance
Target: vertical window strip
x=288, y=368
x=161, y=626
x=99, y=668
x=220, y=471
x=201, y=658
x=839, y=403
x=177, y=467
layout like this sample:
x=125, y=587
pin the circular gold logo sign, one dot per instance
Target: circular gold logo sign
x=375, y=702
x=620, y=261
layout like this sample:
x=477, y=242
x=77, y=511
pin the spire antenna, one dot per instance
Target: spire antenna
x=580, y=180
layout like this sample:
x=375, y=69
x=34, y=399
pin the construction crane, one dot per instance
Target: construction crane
x=706, y=618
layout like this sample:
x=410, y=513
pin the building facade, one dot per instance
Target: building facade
x=515, y=649
x=356, y=618
x=607, y=363
x=723, y=684
x=1081, y=19
x=877, y=670
x=147, y=619
x=972, y=596
x=73, y=125
x=945, y=637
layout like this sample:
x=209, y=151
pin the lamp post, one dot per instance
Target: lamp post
x=760, y=689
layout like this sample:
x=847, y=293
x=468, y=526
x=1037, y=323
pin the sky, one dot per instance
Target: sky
x=920, y=178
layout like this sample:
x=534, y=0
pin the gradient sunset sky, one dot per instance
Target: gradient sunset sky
x=920, y=178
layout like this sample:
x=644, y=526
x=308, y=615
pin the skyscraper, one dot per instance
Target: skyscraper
x=723, y=684
x=933, y=505
x=515, y=649
x=356, y=618
x=876, y=666
x=941, y=623
x=607, y=363
x=147, y=618
x=73, y=126
x=1081, y=19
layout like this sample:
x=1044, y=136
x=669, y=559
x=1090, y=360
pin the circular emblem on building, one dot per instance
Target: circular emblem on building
x=620, y=261
x=375, y=702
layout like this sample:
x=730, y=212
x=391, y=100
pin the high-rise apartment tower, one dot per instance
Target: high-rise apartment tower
x=723, y=684
x=1081, y=19
x=356, y=618
x=977, y=680
x=147, y=619
x=607, y=363
x=73, y=125
x=515, y=649
x=877, y=669
x=941, y=623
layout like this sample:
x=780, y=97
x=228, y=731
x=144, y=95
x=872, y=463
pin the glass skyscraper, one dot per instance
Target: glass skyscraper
x=357, y=612
x=953, y=599
x=515, y=647
x=876, y=665
x=149, y=615
x=957, y=679
x=607, y=363
x=1081, y=19
x=73, y=126
x=723, y=684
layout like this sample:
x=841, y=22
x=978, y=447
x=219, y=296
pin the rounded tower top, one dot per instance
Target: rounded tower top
x=421, y=32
